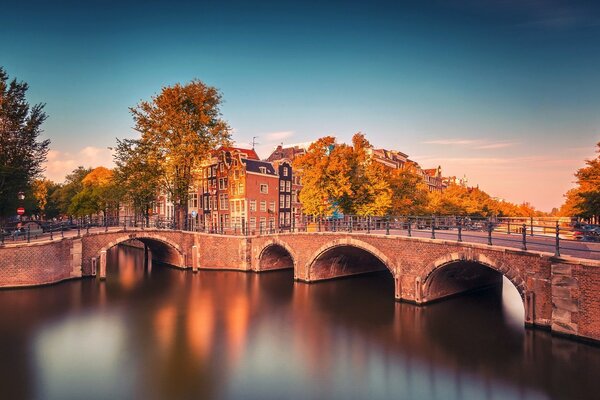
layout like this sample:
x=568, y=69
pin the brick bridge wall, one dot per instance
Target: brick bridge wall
x=559, y=293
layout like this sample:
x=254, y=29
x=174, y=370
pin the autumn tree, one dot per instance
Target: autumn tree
x=22, y=152
x=588, y=182
x=325, y=176
x=180, y=126
x=138, y=173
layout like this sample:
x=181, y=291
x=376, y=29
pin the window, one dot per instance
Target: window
x=263, y=206
x=252, y=205
x=281, y=201
x=264, y=188
x=240, y=188
x=236, y=174
x=222, y=183
x=263, y=222
x=287, y=201
x=272, y=206
x=281, y=186
x=288, y=186
x=253, y=222
x=294, y=196
x=285, y=171
x=224, y=200
x=263, y=170
x=221, y=167
x=193, y=200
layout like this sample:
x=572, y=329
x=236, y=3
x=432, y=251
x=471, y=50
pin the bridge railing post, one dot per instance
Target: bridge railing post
x=409, y=227
x=531, y=226
x=489, y=229
x=387, y=225
x=557, y=249
x=368, y=224
x=319, y=222
x=460, y=230
x=524, y=233
x=508, y=227
x=433, y=227
x=28, y=233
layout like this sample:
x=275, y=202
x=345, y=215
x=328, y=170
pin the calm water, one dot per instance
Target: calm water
x=170, y=334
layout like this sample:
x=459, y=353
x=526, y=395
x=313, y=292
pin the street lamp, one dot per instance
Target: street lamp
x=21, y=196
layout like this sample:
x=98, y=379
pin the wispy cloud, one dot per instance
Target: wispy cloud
x=451, y=141
x=275, y=136
x=59, y=164
x=480, y=144
x=498, y=145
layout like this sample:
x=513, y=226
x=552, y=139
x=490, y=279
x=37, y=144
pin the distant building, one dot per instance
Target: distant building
x=398, y=160
x=286, y=153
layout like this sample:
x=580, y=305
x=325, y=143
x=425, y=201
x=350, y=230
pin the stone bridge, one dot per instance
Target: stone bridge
x=558, y=293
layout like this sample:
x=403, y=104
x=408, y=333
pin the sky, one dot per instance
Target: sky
x=506, y=92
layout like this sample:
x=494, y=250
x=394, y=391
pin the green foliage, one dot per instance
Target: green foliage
x=22, y=153
x=99, y=193
x=138, y=173
x=73, y=184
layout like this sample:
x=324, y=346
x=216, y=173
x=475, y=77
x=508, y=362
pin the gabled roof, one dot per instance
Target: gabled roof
x=250, y=153
x=254, y=166
x=286, y=152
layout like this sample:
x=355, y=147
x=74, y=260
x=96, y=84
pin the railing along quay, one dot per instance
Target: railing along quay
x=549, y=235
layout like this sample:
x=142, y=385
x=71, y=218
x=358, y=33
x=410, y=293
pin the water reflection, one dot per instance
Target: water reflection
x=166, y=334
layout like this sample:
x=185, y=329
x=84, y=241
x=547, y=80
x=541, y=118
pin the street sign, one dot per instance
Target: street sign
x=20, y=210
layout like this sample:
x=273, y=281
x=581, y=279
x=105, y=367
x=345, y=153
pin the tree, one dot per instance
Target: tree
x=66, y=192
x=22, y=153
x=98, y=194
x=181, y=126
x=325, y=176
x=584, y=199
x=138, y=173
x=409, y=192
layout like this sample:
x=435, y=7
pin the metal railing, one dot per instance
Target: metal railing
x=548, y=235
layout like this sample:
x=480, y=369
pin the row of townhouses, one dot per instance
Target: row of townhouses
x=235, y=189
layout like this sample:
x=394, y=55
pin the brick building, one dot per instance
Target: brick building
x=238, y=191
x=287, y=155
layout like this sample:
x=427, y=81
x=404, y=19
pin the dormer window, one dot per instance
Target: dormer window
x=263, y=170
x=285, y=171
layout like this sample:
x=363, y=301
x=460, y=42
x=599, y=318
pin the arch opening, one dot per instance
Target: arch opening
x=275, y=257
x=157, y=248
x=345, y=260
x=467, y=277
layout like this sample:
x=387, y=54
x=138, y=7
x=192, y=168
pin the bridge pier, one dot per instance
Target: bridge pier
x=102, y=272
x=195, y=258
x=147, y=258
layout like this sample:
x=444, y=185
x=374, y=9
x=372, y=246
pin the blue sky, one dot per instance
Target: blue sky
x=507, y=93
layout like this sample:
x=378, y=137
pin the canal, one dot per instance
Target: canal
x=171, y=334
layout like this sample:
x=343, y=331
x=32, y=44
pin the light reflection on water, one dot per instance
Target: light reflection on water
x=171, y=334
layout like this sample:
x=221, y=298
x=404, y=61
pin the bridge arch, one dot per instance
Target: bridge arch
x=332, y=259
x=161, y=247
x=275, y=254
x=463, y=271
